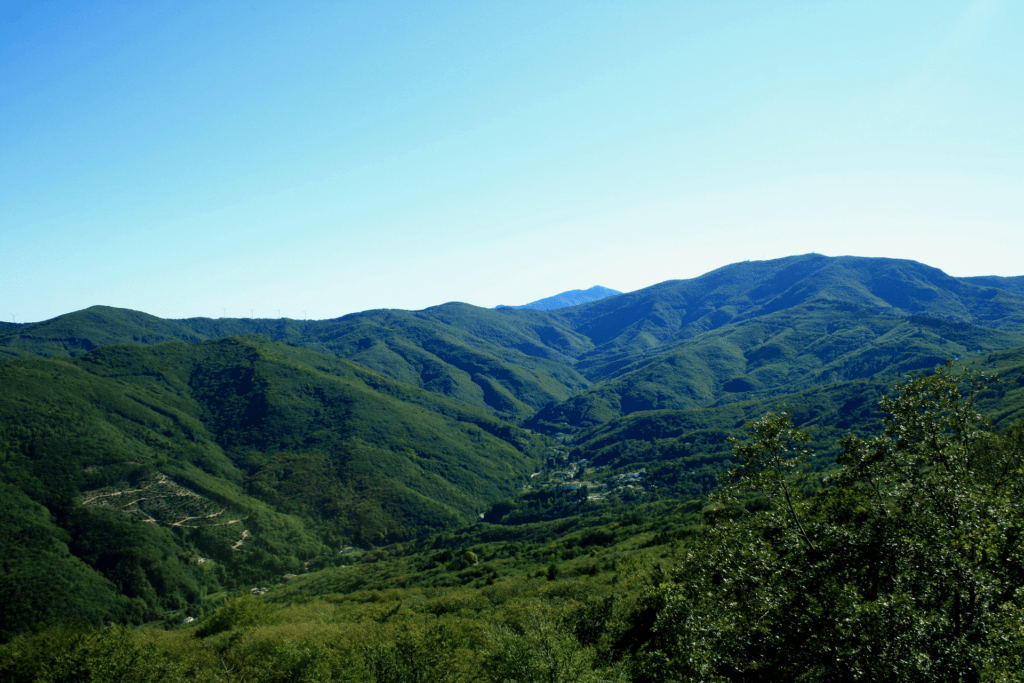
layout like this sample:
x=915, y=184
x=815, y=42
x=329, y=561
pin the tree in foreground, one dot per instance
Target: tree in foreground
x=905, y=566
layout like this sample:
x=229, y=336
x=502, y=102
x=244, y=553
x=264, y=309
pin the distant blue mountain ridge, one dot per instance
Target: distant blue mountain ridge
x=573, y=297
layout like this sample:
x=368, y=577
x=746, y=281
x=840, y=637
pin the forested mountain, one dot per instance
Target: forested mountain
x=743, y=331
x=132, y=446
x=251, y=452
x=1010, y=284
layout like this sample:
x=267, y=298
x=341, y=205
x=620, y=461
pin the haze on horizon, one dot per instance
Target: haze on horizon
x=335, y=157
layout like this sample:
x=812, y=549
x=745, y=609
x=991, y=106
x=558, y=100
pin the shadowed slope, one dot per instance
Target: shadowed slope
x=746, y=330
x=131, y=461
x=508, y=362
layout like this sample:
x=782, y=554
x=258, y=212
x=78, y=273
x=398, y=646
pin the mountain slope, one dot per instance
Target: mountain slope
x=635, y=322
x=743, y=331
x=1014, y=285
x=131, y=461
x=131, y=446
x=762, y=329
x=77, y=333
x=508, y=362
x=790, y=350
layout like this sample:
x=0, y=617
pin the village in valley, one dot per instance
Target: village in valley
x=593, y=483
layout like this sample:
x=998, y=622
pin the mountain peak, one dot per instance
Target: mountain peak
x=573, y=297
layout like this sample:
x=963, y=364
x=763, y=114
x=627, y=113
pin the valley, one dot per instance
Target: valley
x=411, y=469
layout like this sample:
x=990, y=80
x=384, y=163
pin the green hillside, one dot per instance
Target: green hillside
x=901, y=565
x=76, y=333
x=798, y=348
x=685, y=308
x=131, y=447
x=1014, y=285
x=508, y=362
x=686, y=451
x=256, y=455
x=745, y=331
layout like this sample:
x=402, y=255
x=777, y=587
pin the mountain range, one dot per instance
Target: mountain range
x=132, y=445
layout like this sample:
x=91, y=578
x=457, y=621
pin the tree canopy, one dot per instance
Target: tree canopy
x=905, y=565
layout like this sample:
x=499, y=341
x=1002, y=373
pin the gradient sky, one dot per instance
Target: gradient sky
x=182, y=158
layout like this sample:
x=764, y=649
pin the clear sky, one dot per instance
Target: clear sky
x=183, y=158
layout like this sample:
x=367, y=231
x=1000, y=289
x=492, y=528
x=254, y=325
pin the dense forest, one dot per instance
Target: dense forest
x=791, y=469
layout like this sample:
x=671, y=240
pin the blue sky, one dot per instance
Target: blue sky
x=329, y=157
